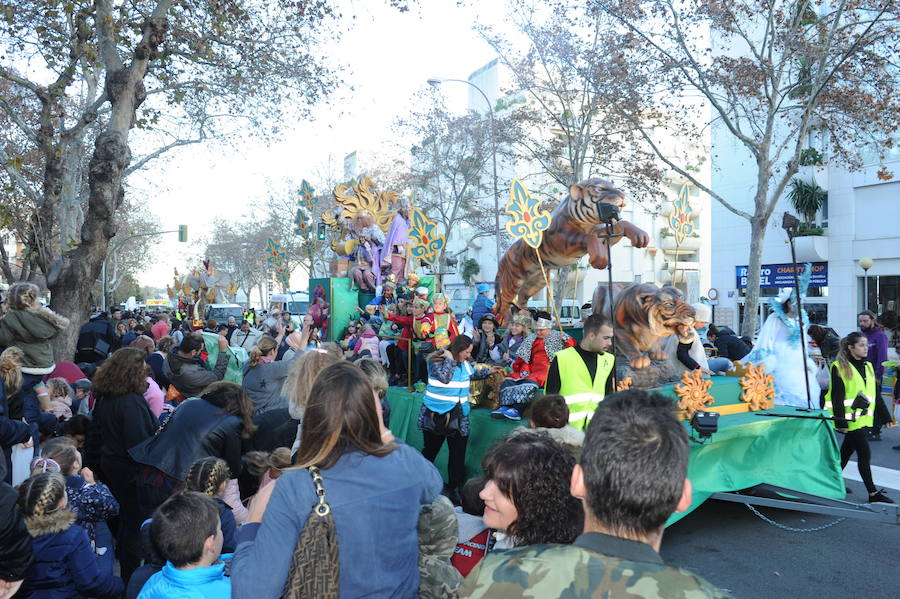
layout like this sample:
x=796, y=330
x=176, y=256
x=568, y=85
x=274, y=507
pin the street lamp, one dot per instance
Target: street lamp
x=435, y=82
x=865, y=264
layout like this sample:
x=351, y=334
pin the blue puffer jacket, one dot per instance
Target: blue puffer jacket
x=198, y=583
x=481, y=306
x=64, y=564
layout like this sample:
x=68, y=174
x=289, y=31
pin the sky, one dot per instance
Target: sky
x=389, y=56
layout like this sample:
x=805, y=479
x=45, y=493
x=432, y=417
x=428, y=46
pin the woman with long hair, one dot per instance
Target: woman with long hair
x=853, y=400
x=527, y=491
x=12, y=429
x=122, y=419
x=216, y=424
x=445, y=409
x=300, y=380
x=264, y=376
x=374, y=485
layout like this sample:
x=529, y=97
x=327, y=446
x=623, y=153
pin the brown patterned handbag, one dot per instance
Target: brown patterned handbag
x=315, y=569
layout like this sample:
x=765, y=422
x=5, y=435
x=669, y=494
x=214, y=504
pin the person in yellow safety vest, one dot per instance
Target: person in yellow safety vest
x=852, y=400
x=582, y=374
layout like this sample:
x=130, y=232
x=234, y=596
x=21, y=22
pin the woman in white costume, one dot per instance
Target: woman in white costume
x=778, y=349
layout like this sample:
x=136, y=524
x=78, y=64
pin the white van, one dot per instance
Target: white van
x=295, y=302
x=569, y=313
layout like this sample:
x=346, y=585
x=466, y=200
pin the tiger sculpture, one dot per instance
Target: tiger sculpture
x=573, y=232
x=644, y=314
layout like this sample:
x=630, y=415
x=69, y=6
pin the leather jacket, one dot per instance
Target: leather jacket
x=198, y=428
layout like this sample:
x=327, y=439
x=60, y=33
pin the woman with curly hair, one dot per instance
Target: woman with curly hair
x=527, y=491
x=122, y=420
x=303, y=374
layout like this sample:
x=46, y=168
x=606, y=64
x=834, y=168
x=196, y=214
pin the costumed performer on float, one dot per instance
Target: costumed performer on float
x=366, y=274
x=779, y=349
x=529, y=371
x=393, y=253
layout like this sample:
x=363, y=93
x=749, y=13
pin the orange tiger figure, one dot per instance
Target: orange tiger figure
x=573, y=232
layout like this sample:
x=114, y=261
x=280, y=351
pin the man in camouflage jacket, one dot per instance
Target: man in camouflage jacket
x=630, y=479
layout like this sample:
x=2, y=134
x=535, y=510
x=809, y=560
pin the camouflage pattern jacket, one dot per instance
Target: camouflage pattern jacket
x=595, y=566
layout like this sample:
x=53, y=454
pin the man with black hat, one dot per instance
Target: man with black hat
x=488, y=344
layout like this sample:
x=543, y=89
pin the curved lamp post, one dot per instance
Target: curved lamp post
x=435, y=82
x=866, y=263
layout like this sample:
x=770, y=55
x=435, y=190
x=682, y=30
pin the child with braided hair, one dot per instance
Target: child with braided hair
x=92, y=501
x=210, y=476
x=64, y=563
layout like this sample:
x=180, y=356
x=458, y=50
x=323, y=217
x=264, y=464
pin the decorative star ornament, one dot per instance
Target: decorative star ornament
x=528, y=221
x=308, y=198
x=680, y=221
x=274, y=255
x=425, y=243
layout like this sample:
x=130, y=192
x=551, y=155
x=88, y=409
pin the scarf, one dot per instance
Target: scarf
x=553, y=343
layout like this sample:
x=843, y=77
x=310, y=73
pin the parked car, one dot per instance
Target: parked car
x=221, y=312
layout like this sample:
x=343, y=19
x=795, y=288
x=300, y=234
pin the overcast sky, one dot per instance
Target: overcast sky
x=389, y=56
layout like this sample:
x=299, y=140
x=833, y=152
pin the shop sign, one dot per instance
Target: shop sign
x=782, y=275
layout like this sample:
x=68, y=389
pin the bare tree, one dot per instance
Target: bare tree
x=238, y=250
x=450, y=166
x=778, y=71
x=90, y=82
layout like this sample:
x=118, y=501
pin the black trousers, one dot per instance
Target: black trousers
x=120, y=477
x=456, y=463
x=856, y=442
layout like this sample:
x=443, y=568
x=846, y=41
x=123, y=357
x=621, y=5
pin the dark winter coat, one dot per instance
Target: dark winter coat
x=64, y=565
x=11, y=432
x=730, y=346
x=31, y=331
x=198, y=428
x=119, y=424
x=15, y=542
x=189, y=375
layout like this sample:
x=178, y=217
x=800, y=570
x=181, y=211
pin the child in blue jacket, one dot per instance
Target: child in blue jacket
x=185, y=531
x=64, y=564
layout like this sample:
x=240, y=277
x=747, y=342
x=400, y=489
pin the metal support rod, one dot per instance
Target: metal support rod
x=799, y=308
x=866, y=287
x=815, y=504
x=609, y=292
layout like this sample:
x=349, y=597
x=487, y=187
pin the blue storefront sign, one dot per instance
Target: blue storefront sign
x=782, y=275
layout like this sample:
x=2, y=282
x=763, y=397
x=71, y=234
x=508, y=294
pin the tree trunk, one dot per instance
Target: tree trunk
x=751, y=306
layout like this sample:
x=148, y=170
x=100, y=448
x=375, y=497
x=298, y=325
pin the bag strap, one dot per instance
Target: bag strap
x=321, y=508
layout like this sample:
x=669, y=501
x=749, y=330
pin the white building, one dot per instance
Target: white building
x=859, y=221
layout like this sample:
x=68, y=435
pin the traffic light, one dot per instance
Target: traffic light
x=321, y=232
x=182, y=233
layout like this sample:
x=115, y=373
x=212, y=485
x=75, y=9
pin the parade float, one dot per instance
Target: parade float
x=745, y=445
x=199, y=288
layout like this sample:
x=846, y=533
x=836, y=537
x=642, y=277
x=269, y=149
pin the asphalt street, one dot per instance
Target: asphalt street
x=734, y=549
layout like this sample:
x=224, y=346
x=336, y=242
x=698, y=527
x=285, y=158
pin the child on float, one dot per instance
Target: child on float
x=64, y=563
x=92, y=501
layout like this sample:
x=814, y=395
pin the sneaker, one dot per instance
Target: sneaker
x=879, y=497
x=511, y=413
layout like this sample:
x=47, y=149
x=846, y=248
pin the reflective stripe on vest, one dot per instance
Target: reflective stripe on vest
x=582, y=395
x=852, y=387
x=455, y=391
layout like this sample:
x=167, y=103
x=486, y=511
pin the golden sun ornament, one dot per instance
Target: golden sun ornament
x=759, y=388
x=624, y=384
x=693, y=392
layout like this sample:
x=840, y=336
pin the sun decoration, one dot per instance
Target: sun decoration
x=362, y=196
x=528, y=221
x=424, y=243
x=693, y=392
x=759, y=388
